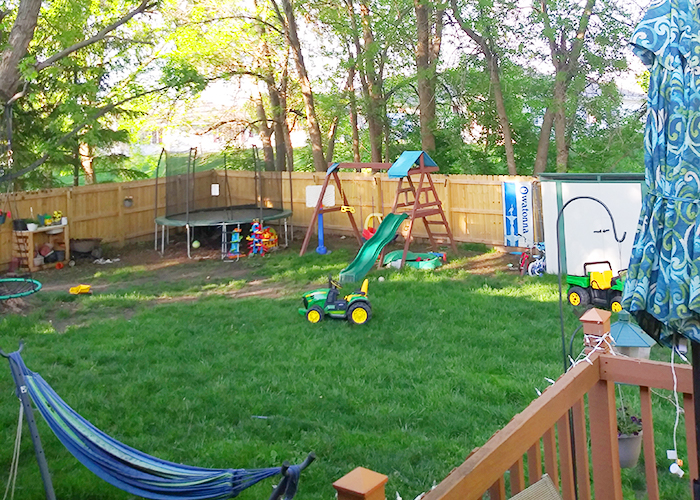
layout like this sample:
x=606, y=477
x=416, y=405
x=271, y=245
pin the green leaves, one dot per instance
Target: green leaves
x=180, y=75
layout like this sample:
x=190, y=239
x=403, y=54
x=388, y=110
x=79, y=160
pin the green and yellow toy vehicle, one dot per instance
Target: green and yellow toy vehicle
x=323, y=302
x=597, y=288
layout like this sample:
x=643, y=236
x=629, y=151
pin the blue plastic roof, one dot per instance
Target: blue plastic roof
x=627, y=334
x=332, y=168
x=406, y=162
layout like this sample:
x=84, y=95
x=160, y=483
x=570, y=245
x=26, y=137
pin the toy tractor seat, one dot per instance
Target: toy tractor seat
x=362, y=291
x=601, y=280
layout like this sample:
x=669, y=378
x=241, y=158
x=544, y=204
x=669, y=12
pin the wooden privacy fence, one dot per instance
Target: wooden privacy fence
x=473, y=205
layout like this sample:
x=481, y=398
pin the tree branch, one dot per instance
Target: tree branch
x=236, y=16
x=101, y=112
x=143, y=6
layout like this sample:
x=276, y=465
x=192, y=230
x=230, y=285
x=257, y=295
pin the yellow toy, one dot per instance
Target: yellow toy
x=77, y=290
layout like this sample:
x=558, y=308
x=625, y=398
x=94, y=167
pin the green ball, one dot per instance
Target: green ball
x=195, y=244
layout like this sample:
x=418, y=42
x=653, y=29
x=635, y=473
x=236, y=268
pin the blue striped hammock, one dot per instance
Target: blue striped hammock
x=129, y=469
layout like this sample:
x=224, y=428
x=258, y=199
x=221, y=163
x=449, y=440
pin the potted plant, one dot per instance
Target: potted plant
x=629, y=436
x=31, y=224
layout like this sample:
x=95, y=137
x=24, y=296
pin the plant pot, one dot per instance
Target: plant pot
x=19, y=225
x=85, y=245
x=32, y=227
x=630, y=447
x=38, y=261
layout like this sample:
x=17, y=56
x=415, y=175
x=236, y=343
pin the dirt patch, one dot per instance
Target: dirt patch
x=490, y=263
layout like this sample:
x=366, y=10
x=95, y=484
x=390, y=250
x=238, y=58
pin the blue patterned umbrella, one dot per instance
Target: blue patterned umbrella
x=663, y=282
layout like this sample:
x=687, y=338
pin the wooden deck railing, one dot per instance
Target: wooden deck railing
x=519, y=446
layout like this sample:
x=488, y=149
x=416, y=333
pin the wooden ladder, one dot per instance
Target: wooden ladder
x=421, y=203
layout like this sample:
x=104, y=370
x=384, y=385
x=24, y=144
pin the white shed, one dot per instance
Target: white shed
x=586, y=229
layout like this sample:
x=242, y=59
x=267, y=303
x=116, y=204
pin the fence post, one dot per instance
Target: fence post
x=447, y=205
x=361, y=484
x=69, y=204
x=120, y=221
x=602, y=413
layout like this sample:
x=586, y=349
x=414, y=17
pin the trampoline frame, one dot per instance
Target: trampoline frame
x=184, y=220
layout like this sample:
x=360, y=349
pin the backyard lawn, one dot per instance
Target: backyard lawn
x=208, y=363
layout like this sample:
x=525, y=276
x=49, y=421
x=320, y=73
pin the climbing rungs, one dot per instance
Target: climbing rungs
x=427, y=213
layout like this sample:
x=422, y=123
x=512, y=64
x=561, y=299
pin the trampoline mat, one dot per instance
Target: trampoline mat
x=217, y=216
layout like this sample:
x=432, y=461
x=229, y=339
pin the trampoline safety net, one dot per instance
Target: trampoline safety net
x=197, y=186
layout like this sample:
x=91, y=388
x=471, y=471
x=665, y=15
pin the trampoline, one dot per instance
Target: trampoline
x=199, y=192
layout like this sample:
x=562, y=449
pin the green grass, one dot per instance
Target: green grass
x=182, y=371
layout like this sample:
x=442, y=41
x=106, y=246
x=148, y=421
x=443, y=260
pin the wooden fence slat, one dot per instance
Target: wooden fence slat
x=566, y=459
x=498, y=490
x=549, y=441
x=583, y=473
x=648, y=441
x=534, y=463
x=517, y=477
x=604, y=451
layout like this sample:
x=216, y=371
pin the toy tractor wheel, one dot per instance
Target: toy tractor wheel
x=359, y=313
x=616, y=303
x=314, y=314
x=579, y=296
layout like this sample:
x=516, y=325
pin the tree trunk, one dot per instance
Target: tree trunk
x=265, y=135
x=312, y=121
x=565, y=54
x=86, y=158
x=543, y=144
x=285, y=128
x=16, y=48
x=560, y=124
x=373, y=92
x=427, y=52
x=502, y=114
x=491, y=57
x=278, y=123
x=353, y=116
x=332, y=133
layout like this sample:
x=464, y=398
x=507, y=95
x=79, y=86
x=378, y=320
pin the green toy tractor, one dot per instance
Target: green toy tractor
x=597, y=288
x=322, y=302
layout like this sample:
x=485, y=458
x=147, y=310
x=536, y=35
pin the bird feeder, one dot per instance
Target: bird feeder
x=596, y=331
x=630, y=339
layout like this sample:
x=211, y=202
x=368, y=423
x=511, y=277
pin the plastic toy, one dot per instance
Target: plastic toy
x=262, y=239
x=322, y=302
x=234, y=251
x=368, y=231
x=77, y=290
x=255, y=247
x=598, y=288
x=429, y=260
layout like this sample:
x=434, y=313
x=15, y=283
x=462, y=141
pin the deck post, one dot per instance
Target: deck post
x=361, y=484
x=604, y=451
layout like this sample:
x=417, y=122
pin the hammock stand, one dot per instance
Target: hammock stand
x=124, y=467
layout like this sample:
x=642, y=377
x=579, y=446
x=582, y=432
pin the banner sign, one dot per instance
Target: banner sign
x=518, y=223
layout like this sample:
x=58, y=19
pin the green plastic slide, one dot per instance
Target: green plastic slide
x=369, y=252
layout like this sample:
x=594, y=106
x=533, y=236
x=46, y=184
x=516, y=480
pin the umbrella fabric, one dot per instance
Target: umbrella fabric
x=663, y=281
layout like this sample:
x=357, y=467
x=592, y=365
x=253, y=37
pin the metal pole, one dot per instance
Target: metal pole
x=155, y=209
x=188, y=241
x=34, y=432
